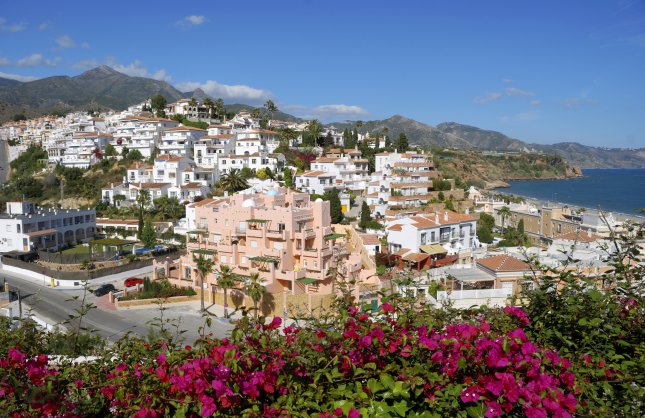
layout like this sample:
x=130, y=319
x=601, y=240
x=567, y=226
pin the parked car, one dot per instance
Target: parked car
x=104, y=289
x=132, y=281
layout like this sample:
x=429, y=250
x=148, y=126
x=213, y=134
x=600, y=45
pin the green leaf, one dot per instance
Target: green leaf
x=387, y=381
x=401, y=408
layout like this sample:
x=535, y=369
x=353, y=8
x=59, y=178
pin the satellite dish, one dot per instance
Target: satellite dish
x=119, y=141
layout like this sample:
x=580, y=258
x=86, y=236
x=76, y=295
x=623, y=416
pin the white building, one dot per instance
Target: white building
x=350, y=168
x=180, y=140
x=317, y=182
x=453, y=231
x=26, y=227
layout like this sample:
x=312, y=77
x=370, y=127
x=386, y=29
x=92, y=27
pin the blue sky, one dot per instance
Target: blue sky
x=542, y=71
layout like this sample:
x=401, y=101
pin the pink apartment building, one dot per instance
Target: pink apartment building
x=281, y=234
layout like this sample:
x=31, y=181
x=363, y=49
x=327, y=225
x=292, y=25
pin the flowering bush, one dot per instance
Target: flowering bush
x=359, y=366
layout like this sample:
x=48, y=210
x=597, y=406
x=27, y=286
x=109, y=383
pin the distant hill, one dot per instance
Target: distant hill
x=101, y=87
x=8, y=82
x=455, y=135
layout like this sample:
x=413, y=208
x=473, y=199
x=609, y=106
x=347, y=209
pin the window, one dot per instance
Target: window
x=304, y=263
x=223, y=259
x=433, y=239
x=244, y=259
x=202, y=223
x=280, y=227
x=18, y=227
x=253, y=160
x=277, y=245
x=315, y=264
x=186, y=272
x=423, y=238
x=254, y=244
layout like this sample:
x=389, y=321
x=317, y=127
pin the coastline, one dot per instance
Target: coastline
x=620, y=216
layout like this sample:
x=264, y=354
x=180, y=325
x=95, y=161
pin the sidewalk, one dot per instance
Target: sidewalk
x=113, y=278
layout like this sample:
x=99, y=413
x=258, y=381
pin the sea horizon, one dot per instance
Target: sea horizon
x=619, y=190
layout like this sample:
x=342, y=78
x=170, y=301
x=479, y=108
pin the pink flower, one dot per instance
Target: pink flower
x=518, y=313
x=387, y=308
x=353, y=413
x=493, y=409
x=469, y=395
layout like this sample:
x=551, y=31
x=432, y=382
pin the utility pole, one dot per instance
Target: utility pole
x=19, y=309
x=62, y=192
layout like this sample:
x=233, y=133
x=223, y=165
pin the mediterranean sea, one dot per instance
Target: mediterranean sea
x=615, y=190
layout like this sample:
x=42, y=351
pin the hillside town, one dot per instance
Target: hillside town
x=294, y=206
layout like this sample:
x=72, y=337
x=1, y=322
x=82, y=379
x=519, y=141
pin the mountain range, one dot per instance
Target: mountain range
x=456, y=135
x=104, y=88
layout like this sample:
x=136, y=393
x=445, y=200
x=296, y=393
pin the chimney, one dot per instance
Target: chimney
x=589, y=232
x=445, y=216
x=436, y=218
x=467, y=211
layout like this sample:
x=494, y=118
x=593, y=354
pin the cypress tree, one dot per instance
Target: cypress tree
x=366, y=216
x=336, y=210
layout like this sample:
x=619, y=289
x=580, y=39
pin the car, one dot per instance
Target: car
x=104, y=289
x=132, y=281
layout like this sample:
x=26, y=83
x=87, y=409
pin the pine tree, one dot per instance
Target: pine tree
x=148, y=235
x=336, y=209
x=402, y=143
x=366, y=216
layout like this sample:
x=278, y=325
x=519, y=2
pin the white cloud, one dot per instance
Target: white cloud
x=161, y=75
x=488, y=97
x=43, y=26
x=85, y=45
x=18, y=77
x=579, y=101
x=226, y=91
x=536, y=102
x=86, y=64
x=37, y=60
x=506, y=80
x=137, y=69
x=65, y=41
x=328, y=112
x=512, y=91
x=4, y=62
x=16, y=27
x=192, y=20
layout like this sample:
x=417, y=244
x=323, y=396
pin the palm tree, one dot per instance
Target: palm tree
x=314, y=129
x=205, y=266
x=270, y=107
x=226, y=280
x=219, y=108
x=255, y=290
x=208, y=102
x=504, y=213
x=255, y=113
x=232, y=181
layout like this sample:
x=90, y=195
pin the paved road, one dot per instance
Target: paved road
x=54, y=306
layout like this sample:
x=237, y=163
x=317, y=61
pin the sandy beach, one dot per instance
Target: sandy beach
x=544, y=203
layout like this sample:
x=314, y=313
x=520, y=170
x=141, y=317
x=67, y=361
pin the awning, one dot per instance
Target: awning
x=470, y=275
x=265, y=259
x=307, y=280
x=41, y=232
x=333, y=236
x=257, y=221
x=204, y=252
x=416, y=257
x=433, y=249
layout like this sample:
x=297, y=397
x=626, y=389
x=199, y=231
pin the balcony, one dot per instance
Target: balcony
x=276, y=234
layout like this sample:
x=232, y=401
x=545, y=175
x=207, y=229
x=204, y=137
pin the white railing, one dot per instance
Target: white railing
x=474, y=294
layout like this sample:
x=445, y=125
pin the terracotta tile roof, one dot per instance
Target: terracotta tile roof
x=191, y=186
x=325, y=160
x=580, y=236
x=402, y=252
x=375, y=194
x=404, y=164
x=370, y=239
x=219, y=127
x=395, y=227
x=416, y=257
x=221, y=136
x=185, y=128
x=151, y=185
x=503, y=263
x=316, y=174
